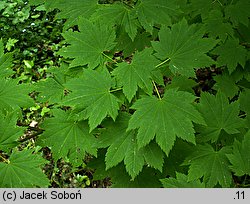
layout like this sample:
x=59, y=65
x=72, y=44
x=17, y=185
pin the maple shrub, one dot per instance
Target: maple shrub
x=149, y=93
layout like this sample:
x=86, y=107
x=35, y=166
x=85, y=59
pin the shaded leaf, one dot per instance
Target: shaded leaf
x=181, y=181
x=231, y=54
x=118, y=14
x=216, y=26
x=212, y=165
x=148, y=178
x=238, y=12
x=156, y=12
x=219, y=115
x=240, y=157
x=225, y=83
x=124, y=43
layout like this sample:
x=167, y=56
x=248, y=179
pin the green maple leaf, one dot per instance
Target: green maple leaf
x=240, y=157
x=181, y=181
x=134, y=161
x=184, y=47
x=183, y=83
x=9, y=132
x=219, y=115
x=225, y=83
x=88, y=45
x=156, y=12
x=55, y=93
x=212, y=165
x=67, y=136
x=36, y=2
x=23, y=171
x=13, y=96
x=148, y=178
x=124, y=43
x=122, y=146
x=244, y=103
x=73, y=10
x=5, y=62
x=154, y=156
x=238, y=12
x=176, y=157
x=136, y=74
x=231, y=54
x=91, y=92
x=165, y=118
x=118, y=14
x=52, y=95
x=204, y=8
x=216, y=27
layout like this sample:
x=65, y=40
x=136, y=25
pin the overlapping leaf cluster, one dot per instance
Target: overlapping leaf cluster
x=129, y=98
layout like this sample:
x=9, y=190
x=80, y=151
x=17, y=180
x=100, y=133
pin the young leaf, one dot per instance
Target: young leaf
x=240, y=157
x=181, y=181
x=91, y=92
x=88, y=45
x=184, y=47
x=219, y=115
x=165, y=118
x=67, y=136
x=231, y=54
x=138, y=73
x=209, y=164
x=23, y=171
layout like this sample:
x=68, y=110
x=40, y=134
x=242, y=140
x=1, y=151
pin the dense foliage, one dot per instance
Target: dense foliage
x=128, y=93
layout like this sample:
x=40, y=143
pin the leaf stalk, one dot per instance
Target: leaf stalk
x=4, y=160
x=108, y=57
x=114, y=90
x=162, y=63
x=158, y=94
